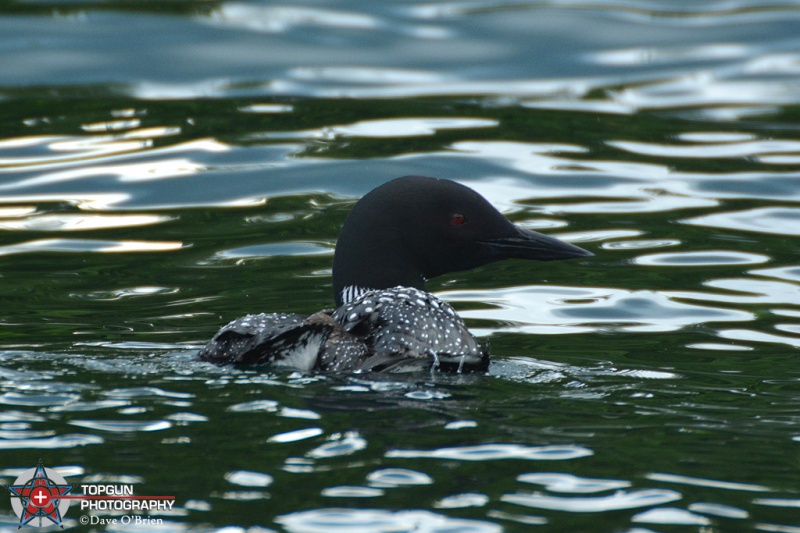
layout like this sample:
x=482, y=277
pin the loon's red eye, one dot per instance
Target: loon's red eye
x=457, y=219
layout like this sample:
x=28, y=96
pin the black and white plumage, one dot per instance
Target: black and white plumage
x=406, y=328
x=277, y=338
x=397, y=329
x=396, y=237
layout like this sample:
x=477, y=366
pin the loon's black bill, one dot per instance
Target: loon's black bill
x=527, y=244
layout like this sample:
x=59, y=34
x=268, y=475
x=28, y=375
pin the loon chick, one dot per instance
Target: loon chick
x=396, y=237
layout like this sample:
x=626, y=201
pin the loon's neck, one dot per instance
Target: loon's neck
x=358, y=270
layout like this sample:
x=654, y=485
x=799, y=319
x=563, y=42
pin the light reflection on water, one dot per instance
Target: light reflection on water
x=657, y=379
x=402, y=127
x=542, y=310
x=566, y=493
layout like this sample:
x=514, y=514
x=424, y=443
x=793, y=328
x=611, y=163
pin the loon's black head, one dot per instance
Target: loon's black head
x=414, y=228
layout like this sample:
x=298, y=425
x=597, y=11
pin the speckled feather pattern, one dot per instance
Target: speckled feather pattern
x=407, y=323
x=382, y=330
x=276, y=338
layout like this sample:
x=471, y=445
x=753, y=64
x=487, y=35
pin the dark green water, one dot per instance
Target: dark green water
x=166, y=167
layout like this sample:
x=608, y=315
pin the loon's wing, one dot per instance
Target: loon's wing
x=409, y=329
x=394, y=363
x=268, y=338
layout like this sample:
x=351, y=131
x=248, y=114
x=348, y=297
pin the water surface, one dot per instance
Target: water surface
x=166, y=167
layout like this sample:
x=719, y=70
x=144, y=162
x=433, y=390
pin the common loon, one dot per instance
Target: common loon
x=395, y=238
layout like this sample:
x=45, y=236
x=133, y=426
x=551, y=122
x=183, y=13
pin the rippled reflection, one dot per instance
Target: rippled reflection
x=380, y=521
x=700, y=259
x=293, y=436
x=670, y=515
x=497, y=451
x=50, y=443
x=772, y=220
x=25, y=151
x=619, y=500
x=568, y=483
x=80, y=222
x=401, y=127
x=672, y=478
x=249, y=479
x=122, y=426
x=281, y=18
x=339, y=445
x=458, y=501
x=87, y=245
x=352, y=492
x=552, y=310
x=397, y=477
x=731, y=147
x=658, y=377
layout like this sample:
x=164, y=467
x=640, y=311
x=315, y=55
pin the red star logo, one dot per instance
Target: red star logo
x=40, y=497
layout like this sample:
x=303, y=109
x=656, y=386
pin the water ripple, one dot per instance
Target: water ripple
x=772, y=220
x=183, y=419
x=489, y=452
x=744, y=291
x=352, y=492
x=294, y=436
x=617, y=501
x=255, y=405
x=88, y=245
x=661, y=55
x=106, y=478
x=306, y=414
x=37, y=400
x=706, y=89
x=556, y=482
x=60, y=441
x=778, y=502
x=122, y=426
x=784, y=273
x=248, y=479
x=700, y=482
x=398, y=127
x=398, y=477
x=80, y=222
x=242, y=495
x=379, y=521
x=459, y=501
x=23, y=433
x=758, y=336
x=700, y=259
x=73, y=407
x=641, y=244
x=295, y=248
x=552, y=309
x=19, y=416
x=711, y=150
x=49, y=150
x=670, y=515
x=620, y=182
x=339, y=445
x=461, y=424
x=145, y=392
x=277, y=19
x=716, y=509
